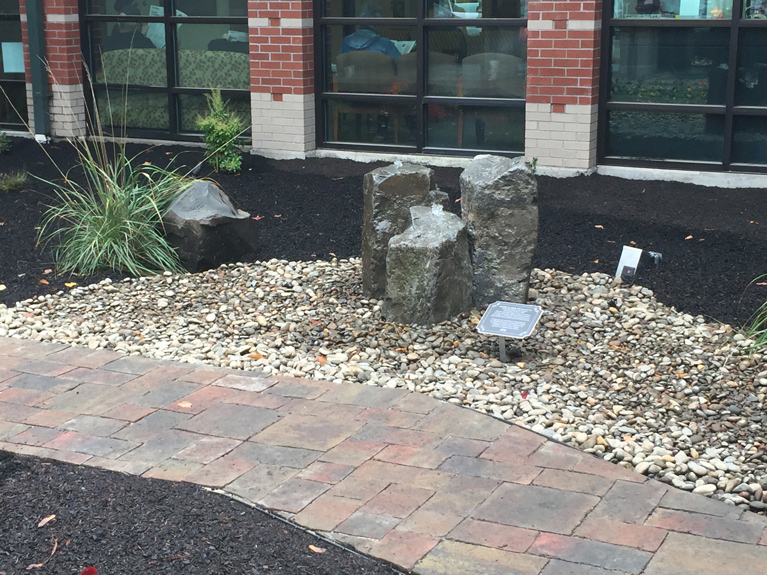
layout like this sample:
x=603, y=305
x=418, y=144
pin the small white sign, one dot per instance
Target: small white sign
x=13, y=57
x=629, y=262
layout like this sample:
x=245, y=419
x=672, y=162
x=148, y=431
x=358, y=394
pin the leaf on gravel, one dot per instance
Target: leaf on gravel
x=322, y=359
x=44, y=282
x=46, y=520
x=599, y=226
x=184, y=404
x=688, y=238
x=256, y=356
x=70, y=284
x=316, y=549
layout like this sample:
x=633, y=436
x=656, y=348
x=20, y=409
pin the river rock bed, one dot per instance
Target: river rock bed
x=609, y=369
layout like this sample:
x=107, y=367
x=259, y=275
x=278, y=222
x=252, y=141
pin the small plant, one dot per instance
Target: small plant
x=534, y=165
x=221, y=128
x=756, y=328
x=12, y=182
x=5, y=143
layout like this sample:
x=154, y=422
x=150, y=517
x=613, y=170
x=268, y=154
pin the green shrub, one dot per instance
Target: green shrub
x=5, y=143
x=12, y=182
x=221, y=128
x=114, y=220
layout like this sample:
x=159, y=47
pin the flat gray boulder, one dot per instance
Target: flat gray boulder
x=428, y=269
x=206, y=228
x=499, y=205
x=389, y=193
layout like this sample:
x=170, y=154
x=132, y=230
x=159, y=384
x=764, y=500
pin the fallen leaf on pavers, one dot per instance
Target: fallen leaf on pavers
x=599, y=227
x=322, y=360
x=70, y=284
x=184, y=404
x=44, y=282
x=46, y=520
x=316, y=549
x=688, y=238
x=256, y=356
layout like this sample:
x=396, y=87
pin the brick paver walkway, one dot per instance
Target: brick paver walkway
x=424, y=484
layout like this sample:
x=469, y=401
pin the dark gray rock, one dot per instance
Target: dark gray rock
x=389, y=193
x=428, y=269
x=206, y=228
x=499, y=205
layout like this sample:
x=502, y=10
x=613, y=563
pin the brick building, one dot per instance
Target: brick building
x=575, y=84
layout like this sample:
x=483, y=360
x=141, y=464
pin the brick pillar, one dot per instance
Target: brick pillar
x=282, y=77
x=64, y=61
x=563, y=50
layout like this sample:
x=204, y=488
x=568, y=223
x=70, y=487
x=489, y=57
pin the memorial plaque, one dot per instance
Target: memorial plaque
x=506, y=319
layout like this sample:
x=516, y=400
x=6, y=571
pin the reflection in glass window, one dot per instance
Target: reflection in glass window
x=749, y=145
x=669, y=65
x=715, y=9
x=751, y=86
x=9, y=7
x=209, y=58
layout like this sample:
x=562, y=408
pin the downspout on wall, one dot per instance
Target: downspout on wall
x=41, y=93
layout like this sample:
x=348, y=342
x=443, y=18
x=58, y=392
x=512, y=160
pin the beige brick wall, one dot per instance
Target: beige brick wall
x=67, y=111
x=283, y=129
x=566, y=139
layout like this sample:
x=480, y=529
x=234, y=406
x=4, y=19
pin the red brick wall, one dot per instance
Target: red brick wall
x=281, y=57
x=563, y=53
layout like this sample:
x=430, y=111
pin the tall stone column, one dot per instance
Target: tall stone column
x=282, y=77
x=563, y=51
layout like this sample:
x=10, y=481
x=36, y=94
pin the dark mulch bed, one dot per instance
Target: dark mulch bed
x=713, y=241
x=313, y=209
x=126, y=525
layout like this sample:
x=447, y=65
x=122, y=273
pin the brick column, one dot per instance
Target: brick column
x=563, y=51
x=282, y=77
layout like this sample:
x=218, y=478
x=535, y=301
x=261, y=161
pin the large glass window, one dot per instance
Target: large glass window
x=671, y=92
x=13, y=95
x=145, y=84
x=437, y=75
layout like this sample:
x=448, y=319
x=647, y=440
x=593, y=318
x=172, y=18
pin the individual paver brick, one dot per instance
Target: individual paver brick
x=413, y=476
x=134, y=364
x=207, y=449
x=462, y=446
x=683, y=501
x=230, y=420
x=128, y=467
x=397, y=436
x=430, y=522
x=630, y=502
x=308, y=432
x=42, y=383
x=49, y=417
x=276, y=455
x=325, y=472
x=45, y=453
x=6, y=374
x=538, y=508
x=83, y=357
x=404, y=549
x=477, y=467
x=9, y=363
x=151, y=425
x=160, y=376
x=608, y=531
x=260, y=480
x=326, y=512
x=91, y=399
x=359, y=489
x=555, y=455
x=397, y=501
x=361, y=544
x=100, y=376
x=364, y=395
x=43, y=367
x=91, y=444
x=172, y=470
x=319, y=408
x=350, y=452
x=463, y=422
x=454, y=557
x=460, y=495
x=221, y=471
x=689, y=555
x=597, y=466
x=571, y=481
x=251, y=382
x=161, y=447
x=494, y=535
x=706, y=525
x=557, y=567
x=602, y=555
x=9, y=429
x=36, y=436
x=390, y=417
x=203, y=376
x=201, y=399
x=129, y=412
x=417, y=403
x=23, y=396
x=256, y=399
x=298, y=387
x=412, y=456
x=16, y=413
x=364, y=524
x=166, y=394
x=94, y=425
x=294, y=495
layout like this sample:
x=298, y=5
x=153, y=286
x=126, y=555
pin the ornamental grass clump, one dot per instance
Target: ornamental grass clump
x=114, y=220
x=221, y=128
x=756, y=328
x=13, y=182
